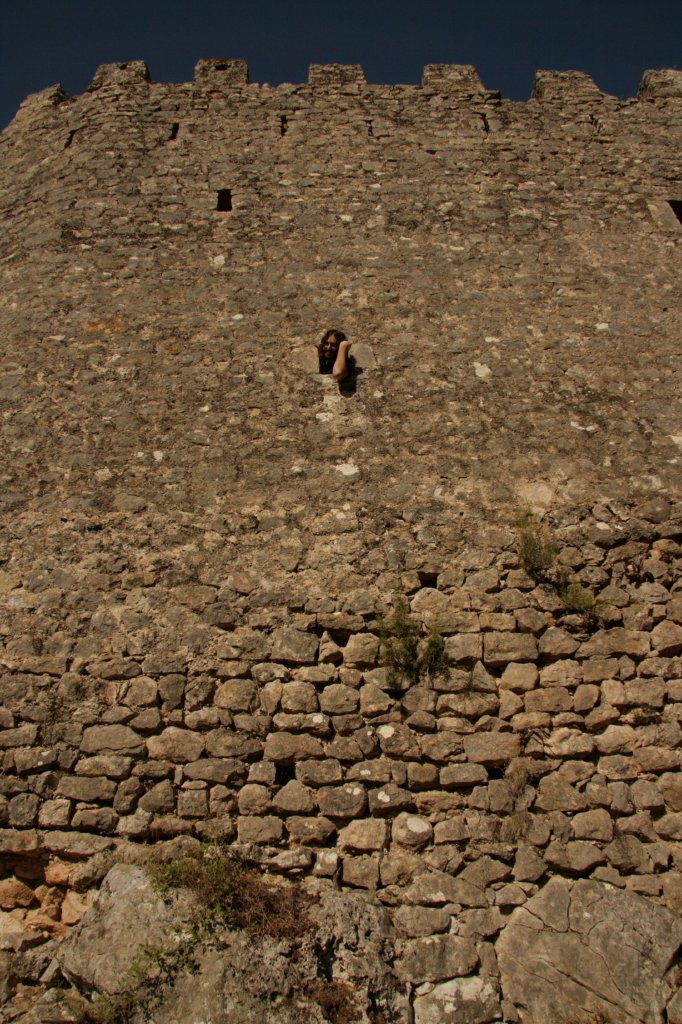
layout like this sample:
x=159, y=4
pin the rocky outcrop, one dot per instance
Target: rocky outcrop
x=342, y=959
x=583, y=951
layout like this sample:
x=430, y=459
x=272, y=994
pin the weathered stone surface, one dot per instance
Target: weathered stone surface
x=359, y=836
x=292, y=646
x=14, y=893
x=349, y=801
x=216, y=558
x=462, y=775
x=473, y=1000
x=389, y=799
x=437, y=958
x=361, y=649
x=236, y=695
x=489, y=748
x=616, y=641
x=76, y=787
x=160, y=799
x=177, y=745
x=412, y=831
x=583, y=943
x=519, y=677
x=556, y=643
x=436, y=888
x=338, y=699
x=360, y=872
x=311, y=831
x=111, y=739
x=246, y=980
x=294, y=798
x=126, y=915
x=666, y=638
x=112, y=766
x=287, y=748
x=267, y=829
x=74, y=844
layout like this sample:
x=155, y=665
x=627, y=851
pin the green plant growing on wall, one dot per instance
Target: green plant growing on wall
x=404, y=652
x=536, y=547
x=577, y=599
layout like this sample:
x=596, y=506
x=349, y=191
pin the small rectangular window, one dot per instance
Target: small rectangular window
x=224, y=200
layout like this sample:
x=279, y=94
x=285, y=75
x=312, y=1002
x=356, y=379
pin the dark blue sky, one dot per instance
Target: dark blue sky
x=49, y=41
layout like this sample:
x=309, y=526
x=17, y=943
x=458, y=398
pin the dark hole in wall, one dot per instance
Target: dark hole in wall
x=283, y=124
x=428, y=579
x=676, y=206
x=175, y=128
x=284, y=773
x=224, y=203
x=70, y=138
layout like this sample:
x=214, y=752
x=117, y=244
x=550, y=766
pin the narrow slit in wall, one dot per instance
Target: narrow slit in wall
x=224, y=204
x=175, y=128
x=283, y=124
x=70, y=138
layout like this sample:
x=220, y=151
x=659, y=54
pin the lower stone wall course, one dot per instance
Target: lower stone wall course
x=547, y=750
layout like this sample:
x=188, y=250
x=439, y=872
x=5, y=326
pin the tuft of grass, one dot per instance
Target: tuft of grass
x=229, y=894
x=407, y=655
x=335, y=999
x=536, y=547
x=577, y=599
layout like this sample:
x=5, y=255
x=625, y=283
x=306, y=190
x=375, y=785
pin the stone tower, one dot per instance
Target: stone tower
x=205, y=541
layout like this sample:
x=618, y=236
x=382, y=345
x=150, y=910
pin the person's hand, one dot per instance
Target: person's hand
x=345, y=345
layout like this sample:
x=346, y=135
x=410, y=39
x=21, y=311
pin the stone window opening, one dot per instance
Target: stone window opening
x=70, y=138
x=224, y=204
x=676, y=206
x=284, y=773
x=486, y=122
x=370, y=129
x=175, y=128
x=283, y=124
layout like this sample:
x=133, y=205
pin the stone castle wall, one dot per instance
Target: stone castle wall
x=202, y=534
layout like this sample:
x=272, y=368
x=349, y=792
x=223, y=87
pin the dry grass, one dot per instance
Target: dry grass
x=229, y=893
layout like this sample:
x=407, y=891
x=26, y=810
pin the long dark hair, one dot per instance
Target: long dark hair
x=327, y=361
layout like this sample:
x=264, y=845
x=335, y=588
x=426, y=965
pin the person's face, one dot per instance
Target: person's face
x=330, y=347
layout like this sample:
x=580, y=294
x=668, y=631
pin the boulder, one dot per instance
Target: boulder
x=126, y=915
x=585, y=946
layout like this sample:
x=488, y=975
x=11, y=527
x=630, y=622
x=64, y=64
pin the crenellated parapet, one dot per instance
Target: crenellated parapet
x=220, y=72
x=125, y=74
x=564, y=86
x=336, y=75
x=458, y=82
x=660, y=84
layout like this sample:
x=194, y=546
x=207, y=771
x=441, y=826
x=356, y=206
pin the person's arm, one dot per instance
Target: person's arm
x=340, y=369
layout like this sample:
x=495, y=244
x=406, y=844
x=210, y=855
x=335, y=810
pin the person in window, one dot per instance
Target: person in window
x=333, y=352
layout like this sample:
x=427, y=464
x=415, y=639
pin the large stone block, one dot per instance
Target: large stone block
x=112, y=739
x=500, y=649
x=585, y=944
x=176, y=745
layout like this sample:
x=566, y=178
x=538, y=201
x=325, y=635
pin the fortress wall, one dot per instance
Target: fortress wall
x=201, y=532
